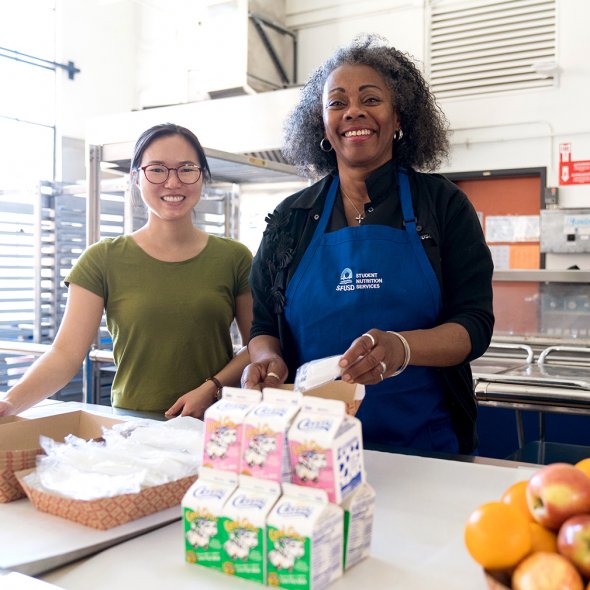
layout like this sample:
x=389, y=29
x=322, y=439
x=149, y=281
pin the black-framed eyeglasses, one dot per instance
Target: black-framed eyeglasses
x=158, y=173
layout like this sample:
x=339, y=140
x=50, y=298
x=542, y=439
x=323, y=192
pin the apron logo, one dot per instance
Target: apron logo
x=362, y=280
x=345, y=283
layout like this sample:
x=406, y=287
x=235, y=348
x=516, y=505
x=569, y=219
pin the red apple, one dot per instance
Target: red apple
x=573, y=541
x=556, y=492
x=546, y=571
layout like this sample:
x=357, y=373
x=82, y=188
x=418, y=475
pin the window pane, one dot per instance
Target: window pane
x=26, y=154
x=32, y=96
x=28, y=26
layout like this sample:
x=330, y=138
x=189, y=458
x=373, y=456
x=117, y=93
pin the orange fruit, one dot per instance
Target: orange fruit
x=542, y=539
x=497, y=535
x=584, y=465
x=515, y=496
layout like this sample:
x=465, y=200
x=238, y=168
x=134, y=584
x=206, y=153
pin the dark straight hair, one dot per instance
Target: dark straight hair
x=164, y=130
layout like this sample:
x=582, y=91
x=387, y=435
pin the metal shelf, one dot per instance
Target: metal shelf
x=225, y=167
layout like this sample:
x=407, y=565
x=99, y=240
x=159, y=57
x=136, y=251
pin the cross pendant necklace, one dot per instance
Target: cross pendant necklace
x=359, y=216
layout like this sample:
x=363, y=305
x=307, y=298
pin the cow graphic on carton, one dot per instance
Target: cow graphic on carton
x=259, y=447
x=202, y=529
x=288, y=548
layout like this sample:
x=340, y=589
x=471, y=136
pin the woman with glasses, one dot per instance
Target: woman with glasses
x=170, y=292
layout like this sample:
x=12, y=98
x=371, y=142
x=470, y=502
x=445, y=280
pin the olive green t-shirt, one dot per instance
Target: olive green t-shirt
x=169, y=321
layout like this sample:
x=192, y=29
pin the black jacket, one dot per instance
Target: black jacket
x=454, y=243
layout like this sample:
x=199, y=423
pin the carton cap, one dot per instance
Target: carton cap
x=237, y=394
x=304, y=493
x=265, y=486
x=218, y=476
x=320, y=405
x=274, y=395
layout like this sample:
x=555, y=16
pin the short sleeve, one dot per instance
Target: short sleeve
x=89, y=270
x=243, y=266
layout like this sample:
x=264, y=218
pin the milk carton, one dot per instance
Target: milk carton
x=326, y=448
x=265, y=450
x=242, y=528
x=201, y=508
x=304, y=540
x=224, y=420
x=359, y=508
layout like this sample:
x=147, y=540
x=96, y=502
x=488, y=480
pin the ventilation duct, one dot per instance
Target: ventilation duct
x=250, y=49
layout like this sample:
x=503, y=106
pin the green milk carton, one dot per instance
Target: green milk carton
x=242, y=528
x=201, y=508
x=359, y=509
x=304, y=540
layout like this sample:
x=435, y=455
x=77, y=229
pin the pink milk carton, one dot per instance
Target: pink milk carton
x=326, y=448
x=265, y=450
x=223, y=428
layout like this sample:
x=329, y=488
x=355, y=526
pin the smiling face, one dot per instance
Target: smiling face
x=172, y=199
x=359, y=117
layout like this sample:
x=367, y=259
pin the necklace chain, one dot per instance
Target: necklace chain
x=359, y=216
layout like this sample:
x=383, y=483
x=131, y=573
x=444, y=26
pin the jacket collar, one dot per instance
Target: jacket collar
x=380, y=181
x=308, y=197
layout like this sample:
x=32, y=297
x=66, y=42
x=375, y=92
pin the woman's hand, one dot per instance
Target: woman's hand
x=372, y=357
x=268, y=372
x=6, y=408
x=194, y=403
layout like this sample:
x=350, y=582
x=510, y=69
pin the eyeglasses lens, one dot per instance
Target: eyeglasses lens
x=158, y=174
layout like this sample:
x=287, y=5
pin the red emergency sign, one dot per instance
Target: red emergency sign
x=572, y=172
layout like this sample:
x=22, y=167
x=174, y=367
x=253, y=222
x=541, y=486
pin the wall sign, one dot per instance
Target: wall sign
x=570, y=171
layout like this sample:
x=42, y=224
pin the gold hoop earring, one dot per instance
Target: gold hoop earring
x=323, y=145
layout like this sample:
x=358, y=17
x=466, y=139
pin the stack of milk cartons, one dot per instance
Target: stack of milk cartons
x=319, y=525
x=326, y=450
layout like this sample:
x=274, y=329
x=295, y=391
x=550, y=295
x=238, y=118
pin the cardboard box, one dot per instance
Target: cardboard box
x=106, y=513
x=19, y=442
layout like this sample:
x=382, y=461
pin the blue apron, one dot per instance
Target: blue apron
x=373, y=276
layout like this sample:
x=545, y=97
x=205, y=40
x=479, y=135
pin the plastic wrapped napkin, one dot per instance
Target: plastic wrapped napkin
x=317, y=372
x=133, y=455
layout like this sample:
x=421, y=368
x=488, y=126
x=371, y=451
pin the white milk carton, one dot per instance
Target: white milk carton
x=359, y=509
x=222, y=444
x=242, y=528
x=304, y=540
x=265, y=450
x=326, y=448
x=201, y=508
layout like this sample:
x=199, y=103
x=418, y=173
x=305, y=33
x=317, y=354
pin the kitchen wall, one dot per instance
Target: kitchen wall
x=134, y=53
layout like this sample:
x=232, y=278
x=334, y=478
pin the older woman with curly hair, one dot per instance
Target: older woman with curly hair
x=378, y=261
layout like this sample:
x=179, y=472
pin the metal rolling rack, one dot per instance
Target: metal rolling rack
x=108, y=212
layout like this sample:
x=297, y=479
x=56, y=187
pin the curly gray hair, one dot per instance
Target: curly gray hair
x=424, y=144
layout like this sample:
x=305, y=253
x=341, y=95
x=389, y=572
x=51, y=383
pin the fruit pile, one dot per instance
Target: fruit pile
x=537, y=536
